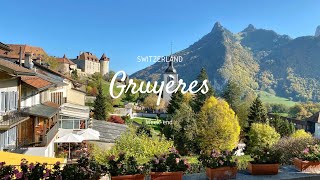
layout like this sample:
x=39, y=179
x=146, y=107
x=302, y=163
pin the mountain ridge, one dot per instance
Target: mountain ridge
x=257, y=59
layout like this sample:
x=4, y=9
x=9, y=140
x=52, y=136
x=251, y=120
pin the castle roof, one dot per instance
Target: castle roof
x=104, y=57
x=88, y=56
x=64, y=60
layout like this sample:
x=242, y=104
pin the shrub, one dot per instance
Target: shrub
x=218, y=126
x=123, y=165
x=144, y=129
x=311, y=153
x=290, y=148
x=141, y=147
x=170, y=162
x=301, y=134
x=261, y=135
x=84, y=169
x=216, y=159
x=265, y=155
x=116, y=119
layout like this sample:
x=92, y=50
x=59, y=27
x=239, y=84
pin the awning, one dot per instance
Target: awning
x=42, y=110
x=74, y=111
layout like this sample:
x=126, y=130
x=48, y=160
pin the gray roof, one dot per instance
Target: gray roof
x=42, y=110
x=171, y=69
x=109, y=132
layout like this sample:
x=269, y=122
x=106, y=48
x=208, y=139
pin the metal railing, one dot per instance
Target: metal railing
x=10, y=118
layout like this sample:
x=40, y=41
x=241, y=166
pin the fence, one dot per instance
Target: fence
x=149, y=115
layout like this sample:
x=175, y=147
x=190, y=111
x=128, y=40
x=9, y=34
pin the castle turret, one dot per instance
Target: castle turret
x=104, y=65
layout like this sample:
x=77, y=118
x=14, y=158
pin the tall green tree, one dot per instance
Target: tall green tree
x=175, y=102
x=232, y=94
x=257, y=113
x=100, y=105
x=200, y=98
x=184, y=123
x=283, y=127
x=217, y=126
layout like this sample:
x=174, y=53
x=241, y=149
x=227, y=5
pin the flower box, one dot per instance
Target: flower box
x=166, y=175
x=128, y=177
x=306, y=166
x=263, y=169
x=221, y=173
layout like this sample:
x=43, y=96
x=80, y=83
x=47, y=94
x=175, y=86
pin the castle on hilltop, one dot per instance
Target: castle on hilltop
x=90, y=64
x=86, y=63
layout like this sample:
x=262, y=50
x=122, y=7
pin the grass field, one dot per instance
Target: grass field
x=272, y=99
x=153, y=123
x=15, y=159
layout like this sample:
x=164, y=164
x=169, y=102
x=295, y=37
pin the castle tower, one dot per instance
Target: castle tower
x=170, y=74
x=104, y=65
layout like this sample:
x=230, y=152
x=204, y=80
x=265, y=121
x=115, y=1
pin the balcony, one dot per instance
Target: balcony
x=50, y=135
x=10, y=119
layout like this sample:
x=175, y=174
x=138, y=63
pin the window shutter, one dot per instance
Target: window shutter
x=1, y=100
x=7, y=101
x=15, y=100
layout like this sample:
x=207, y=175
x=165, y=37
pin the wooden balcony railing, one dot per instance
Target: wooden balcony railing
x=50, y=134
x=11, y=118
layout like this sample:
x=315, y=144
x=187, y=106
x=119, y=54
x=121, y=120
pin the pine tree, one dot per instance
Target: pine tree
x=175, y=102
x=257, y=112
x=201, y=98
x=232, y=94
x=100, y=105
x=282, y=126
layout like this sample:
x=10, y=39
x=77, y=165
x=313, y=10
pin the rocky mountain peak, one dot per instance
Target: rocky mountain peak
x=217, y=27
x=249, y=28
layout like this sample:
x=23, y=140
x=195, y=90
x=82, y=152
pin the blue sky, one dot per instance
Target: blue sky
x=125, y=29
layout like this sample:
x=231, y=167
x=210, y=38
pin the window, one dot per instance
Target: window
x=8, y=101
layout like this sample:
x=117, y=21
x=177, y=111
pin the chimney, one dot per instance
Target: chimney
x=20, y=56
x=28, y=61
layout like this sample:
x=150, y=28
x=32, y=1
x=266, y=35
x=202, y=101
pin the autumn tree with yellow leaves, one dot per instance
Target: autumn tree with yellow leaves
x=218, y=126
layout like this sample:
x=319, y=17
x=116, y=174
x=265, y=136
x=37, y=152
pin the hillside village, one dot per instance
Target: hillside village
x=47, y=103
x=36, y=101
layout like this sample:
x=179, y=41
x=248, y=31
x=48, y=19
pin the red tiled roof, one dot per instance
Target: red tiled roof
x=4, y=47
x=64, y=60
x=15, y=51
x=35, y=81
x=51, y=104
x=88, y=56
x=7, y=65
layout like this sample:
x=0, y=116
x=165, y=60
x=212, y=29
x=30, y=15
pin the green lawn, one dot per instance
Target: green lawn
x=151, y=122
x=272, y=99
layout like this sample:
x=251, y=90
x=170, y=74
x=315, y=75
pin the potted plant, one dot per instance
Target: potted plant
x=266, y=161
x=309, y=159
x=168, y=166
x=124, y=168
x=219, y=165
